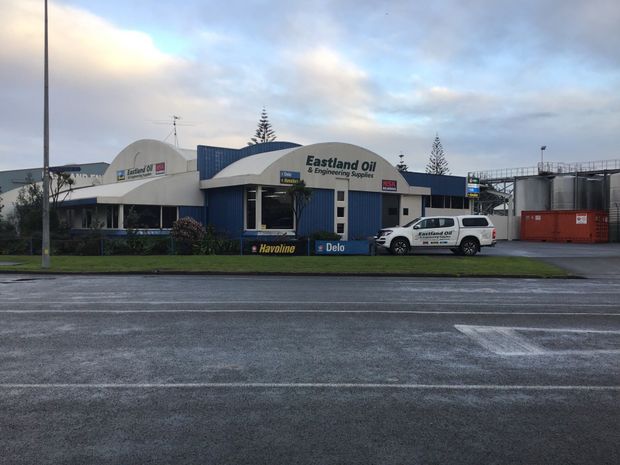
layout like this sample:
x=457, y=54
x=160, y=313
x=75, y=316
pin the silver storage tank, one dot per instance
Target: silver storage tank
x=593, y=194
x=614, y=207
x=563, y=193
x=531, y=194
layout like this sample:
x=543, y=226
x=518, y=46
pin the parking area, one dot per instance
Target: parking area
x=192, y=369
x=587, y=260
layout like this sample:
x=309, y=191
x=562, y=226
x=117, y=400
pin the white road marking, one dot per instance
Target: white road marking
x=307, y=302
x=449, y=387
x=293, y=311
x=505, y=340
x=502, y=341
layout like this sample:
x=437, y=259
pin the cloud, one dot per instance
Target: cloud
x=493, y=78
x=106, y=85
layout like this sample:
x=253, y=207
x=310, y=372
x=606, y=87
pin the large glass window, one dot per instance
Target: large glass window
x=142, y=216
x=276, y=208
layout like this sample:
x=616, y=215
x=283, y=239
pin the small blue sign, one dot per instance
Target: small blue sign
x=290, y=177
x=342, y=248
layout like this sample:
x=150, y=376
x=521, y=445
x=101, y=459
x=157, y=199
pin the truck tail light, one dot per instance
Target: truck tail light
x=494, y=233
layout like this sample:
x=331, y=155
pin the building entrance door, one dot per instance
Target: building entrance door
x=389, y=210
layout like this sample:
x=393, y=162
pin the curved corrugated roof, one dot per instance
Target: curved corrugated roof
x=254, y=164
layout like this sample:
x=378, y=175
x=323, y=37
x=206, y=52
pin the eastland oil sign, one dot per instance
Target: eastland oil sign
x=151, y=169
x=332, y=166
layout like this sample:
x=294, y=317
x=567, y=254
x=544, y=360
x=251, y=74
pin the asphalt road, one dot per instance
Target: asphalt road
x=218, y=370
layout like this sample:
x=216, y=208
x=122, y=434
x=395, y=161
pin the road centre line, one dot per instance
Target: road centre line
x=295, y=311
x=428, y=387
x=276, y=302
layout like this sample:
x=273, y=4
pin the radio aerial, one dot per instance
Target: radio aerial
x=175, y=122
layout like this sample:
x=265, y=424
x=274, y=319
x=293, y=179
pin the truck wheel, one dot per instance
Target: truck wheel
x=469, y=247
x=399, y=246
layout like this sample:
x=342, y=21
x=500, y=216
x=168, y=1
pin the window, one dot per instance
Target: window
x=457, y=202
x=475, y=221
x=340, y=228
x=87, y=218
x=405, y=212
x=437, y=223
x=250, y=208
x=277, y=208
x=168, y=216
x=340, y=212
x=340, y=196
x=446, y=222
x=142, y=216
x=437, y=201
x=429, y=223
x=111, y=220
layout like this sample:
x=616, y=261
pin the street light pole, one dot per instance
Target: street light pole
x=45, y=239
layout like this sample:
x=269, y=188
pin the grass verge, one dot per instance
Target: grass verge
x=410, y=265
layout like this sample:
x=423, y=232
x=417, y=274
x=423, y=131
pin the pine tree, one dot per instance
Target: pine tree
x=401, y=164
x=264, y=131
x=437, y=163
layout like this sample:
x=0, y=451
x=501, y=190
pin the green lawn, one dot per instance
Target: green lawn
x=411, y=265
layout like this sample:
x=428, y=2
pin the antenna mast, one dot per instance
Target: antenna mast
x=175, y=122
x=174, y=129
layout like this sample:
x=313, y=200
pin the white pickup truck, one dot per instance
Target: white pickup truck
x=464, y=235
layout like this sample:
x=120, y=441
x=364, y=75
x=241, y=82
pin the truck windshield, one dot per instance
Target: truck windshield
x=411, y=223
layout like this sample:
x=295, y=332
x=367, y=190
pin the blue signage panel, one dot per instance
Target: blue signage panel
x=290, y=177
x=342, y=248
x=473, y=187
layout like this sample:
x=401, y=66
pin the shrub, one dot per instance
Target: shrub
x=187, y=232
x=324, y=236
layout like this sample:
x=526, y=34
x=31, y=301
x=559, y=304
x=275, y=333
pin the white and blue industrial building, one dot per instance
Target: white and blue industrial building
x=242, y=192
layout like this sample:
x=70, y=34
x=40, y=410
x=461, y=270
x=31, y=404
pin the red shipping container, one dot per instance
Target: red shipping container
x=586, y=226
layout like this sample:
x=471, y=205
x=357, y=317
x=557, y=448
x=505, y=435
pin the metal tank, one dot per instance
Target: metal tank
x=563, y=193
x=614, y=207
x=593, y=194
x=531, y=194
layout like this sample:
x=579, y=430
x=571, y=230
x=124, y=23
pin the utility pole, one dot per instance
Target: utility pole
x=45, y=236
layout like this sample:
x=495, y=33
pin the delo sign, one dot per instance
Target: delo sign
x=342, y=248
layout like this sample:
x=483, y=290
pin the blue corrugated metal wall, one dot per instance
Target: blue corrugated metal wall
x=225, y=210
x=198, y=213
x=212, y=160
x=364, y=214
x=319, y=214
x=439, y=184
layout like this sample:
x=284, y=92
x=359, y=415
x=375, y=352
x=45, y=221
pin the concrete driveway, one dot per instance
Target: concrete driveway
x=588, y=260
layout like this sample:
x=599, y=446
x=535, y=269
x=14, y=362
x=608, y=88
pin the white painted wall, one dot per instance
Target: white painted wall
x=145, y=152
x=446, y=211
x=508, y=227
x=414, y=204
